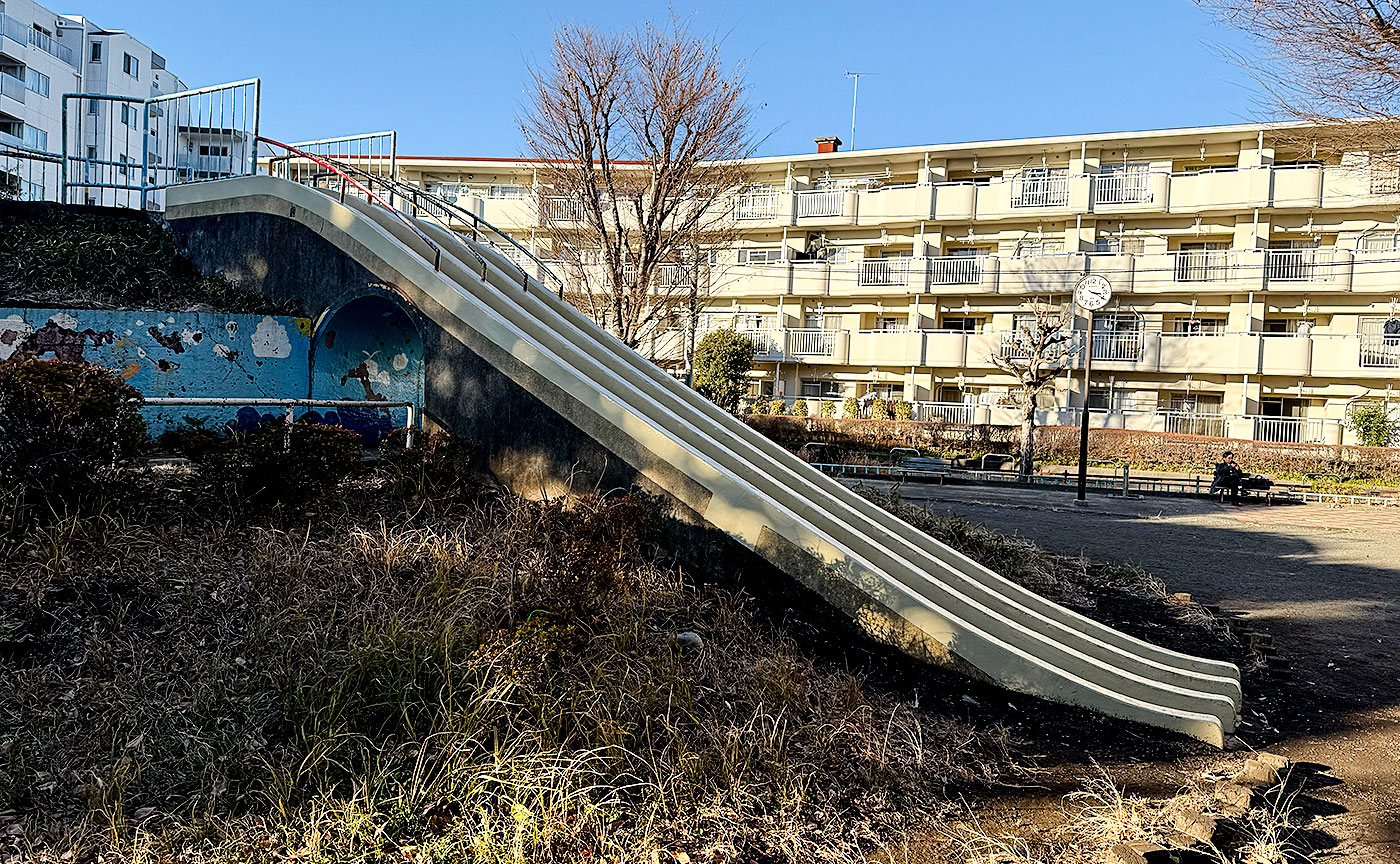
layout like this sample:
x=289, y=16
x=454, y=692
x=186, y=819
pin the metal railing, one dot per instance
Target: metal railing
x=820, y=202
x=561, y=209
x=1380, y=351
x=1123, y=187
x=1050, y=190
x=960, y=413
x=955, y=269
x=27, y=174
x=1194, y=423
x=1297, y=265
x=766, y=343
x=1117, y=345
x=812, y=342
x=27, y=35
x=1289, y=430
x=756, y=205
x=885, y=271
x=1201, y=265
x=128, y=149
x=289, y=405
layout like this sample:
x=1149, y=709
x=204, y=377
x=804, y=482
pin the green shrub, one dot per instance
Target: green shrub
x=64, y=427
x=191, y=439
x=1373, y=424
x=777, y=406
x=879, y=409
x=758, y=406
x=828, y=409
x=722, y=363
x=277, y=465
x=851, y=407
x=903, y=410
x=799, y=408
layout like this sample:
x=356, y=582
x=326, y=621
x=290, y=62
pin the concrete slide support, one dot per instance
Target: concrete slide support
x=898, y=584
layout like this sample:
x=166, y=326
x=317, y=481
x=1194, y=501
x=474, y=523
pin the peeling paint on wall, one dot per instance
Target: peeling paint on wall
x=193, y=354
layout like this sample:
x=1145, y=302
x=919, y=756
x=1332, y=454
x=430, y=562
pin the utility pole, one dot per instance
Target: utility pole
x=855, y=91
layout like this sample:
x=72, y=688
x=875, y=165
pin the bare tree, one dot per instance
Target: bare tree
x=1332, y=63
x=1034, y=354
x=640, y=137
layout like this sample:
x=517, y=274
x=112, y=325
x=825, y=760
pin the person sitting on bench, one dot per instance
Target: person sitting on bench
x=1228, y=477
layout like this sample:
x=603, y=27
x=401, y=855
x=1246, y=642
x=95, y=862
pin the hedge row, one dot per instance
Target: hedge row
x=1060, y=445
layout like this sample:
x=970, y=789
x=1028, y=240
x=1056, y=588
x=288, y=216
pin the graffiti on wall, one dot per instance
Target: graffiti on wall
x=370, y=350
x=171, y=354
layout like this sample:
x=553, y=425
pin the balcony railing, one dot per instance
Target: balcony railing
x=19, y=32
x=1297, y=265
x=1380, y=351
x=822, y=202
x=1123, y=187
x=756, y=205
x=812, y=342
x=955, y=270
x=767, y=343
x=1194, y=423
x=1290, y=430
x=1040, y=191
x=885, y=271
x=948, y=412
x=1202, y=265
x=563, y=209
x=1118, y=345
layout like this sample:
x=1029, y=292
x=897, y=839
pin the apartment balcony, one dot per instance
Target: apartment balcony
x=1235, y=189
x=974, y=273
x=26, y=35
x=12, y=87
x=905, y=202
x=800, y=345
x=756, y=208
x=894, y=272
x=822, y=207
x=1130, y=191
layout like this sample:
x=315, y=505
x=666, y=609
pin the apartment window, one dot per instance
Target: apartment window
x=38, y=139
x=1385, y=241
x=124, y=161
x=508, y=191
x=1035, y=248
x=1289, y=326
x=752, y=321
x=820, y=321
x=92, y=106
x=131, y=66
x=891, y=323
x=1202, y=262
x=1198, y=326
x=1041, y=187
x=96, y=55
x=213, y=149
x=129, y=115
x=1119, y=245
x=813, y=389
x=1099, y=398
x=964, y=323
x=772, y=255
x=1196, y=403
x=36, y=81
x=12, y=127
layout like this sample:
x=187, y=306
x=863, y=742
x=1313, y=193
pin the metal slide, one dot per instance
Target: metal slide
x=899, y=584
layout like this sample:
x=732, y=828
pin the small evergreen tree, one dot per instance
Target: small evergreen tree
x=722, y=363
x=1372, y=423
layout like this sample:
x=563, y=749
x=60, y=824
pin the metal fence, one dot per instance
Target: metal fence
x=822, y=202
x=27, y=174
x=123, y=150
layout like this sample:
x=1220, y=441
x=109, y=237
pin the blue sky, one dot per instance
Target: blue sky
x=449, y=76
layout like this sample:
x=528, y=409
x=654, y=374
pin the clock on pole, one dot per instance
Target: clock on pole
x=1092, y=293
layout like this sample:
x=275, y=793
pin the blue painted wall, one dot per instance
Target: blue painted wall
x=368, y=349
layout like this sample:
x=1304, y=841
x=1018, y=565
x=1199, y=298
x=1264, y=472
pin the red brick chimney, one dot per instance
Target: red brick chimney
x=829, y=144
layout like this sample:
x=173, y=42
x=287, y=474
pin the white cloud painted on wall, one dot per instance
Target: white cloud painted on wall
x=270, y=339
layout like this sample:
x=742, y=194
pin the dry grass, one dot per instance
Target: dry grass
x=424, y=677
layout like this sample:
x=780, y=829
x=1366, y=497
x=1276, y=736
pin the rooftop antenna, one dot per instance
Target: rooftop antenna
x=855, y=90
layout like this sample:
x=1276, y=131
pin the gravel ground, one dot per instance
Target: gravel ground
x=1322, y=580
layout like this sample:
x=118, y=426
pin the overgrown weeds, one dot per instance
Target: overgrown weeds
x=432, y=671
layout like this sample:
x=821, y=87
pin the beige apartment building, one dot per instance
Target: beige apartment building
x=1255, y=288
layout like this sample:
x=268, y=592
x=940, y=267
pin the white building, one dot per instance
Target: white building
x=44, y=55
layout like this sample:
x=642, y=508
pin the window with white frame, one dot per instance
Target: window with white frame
x=129, y=115
x=96, y=55
x=1187, y=326
x=771, y=255
x=508, y=191
x=36, y=81
x=1032, y=248
x=131, y=66
x=891, y=323
x=1381, y=241
x=1114, y=245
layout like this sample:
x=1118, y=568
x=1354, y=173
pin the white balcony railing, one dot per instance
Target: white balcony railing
x=756, y=205
x=563, y=209
x=885, y=271
x=1194, y=423
x=948, y=412
x=821, y=202
x=812, y=342
x=767, y=343
x=955, y=270
x=1032, y=190
x=1290, y=430
x=25, y=34
x=1202, y=265
x=1123, y=187
x=1118, y=346
x=1380, y=351
x=1297, y=265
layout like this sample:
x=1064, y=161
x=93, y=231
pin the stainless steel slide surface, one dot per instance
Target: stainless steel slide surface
x=899, y=584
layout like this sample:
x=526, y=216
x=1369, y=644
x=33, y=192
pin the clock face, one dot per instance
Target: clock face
x=1093, y=292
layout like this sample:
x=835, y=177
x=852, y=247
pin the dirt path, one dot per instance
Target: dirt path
x=1322, y=580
